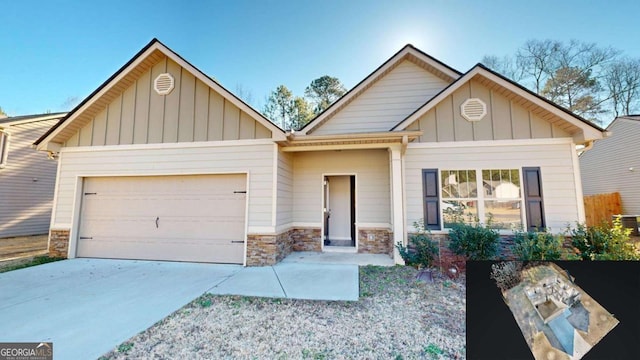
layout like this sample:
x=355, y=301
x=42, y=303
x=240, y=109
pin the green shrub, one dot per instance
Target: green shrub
x=604, y=242
x=537, y=246
x=421, y=250
x=474, y=241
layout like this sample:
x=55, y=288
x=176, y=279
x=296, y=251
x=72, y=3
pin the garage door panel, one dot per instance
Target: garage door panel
x=219, y=228
x=181, y=218
x=152, y=249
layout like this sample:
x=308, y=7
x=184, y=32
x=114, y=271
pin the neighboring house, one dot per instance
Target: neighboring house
x=162, y=162
x=27, y=177
x=613, y=164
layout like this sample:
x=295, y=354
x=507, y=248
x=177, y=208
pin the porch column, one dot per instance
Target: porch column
x=397, y=216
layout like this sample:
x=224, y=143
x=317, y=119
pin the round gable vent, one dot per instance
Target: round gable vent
x=163, y=84
x=473, y=109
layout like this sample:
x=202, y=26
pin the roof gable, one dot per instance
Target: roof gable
x=632, y=119
x=23, y=119
x=580, y=129
x=439, y=75
x=117, y=90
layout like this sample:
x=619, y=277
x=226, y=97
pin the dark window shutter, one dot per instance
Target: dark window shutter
x=431, y=199
x=533, y=199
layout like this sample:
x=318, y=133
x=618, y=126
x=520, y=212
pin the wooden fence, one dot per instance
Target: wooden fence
x=601, y=207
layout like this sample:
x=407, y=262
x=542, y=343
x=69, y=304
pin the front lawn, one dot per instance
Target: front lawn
x=396, y=317
x=20, y=264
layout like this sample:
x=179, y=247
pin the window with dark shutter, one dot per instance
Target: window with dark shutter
x=533, y=199
x=431, y=199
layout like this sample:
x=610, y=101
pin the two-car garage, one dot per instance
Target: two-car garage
x=198, y=218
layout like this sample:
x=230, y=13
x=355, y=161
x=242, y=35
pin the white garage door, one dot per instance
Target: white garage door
x=197, y=218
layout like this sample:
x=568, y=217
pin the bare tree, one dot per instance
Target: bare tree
x=505, y=65
x=622, y=81
x=244, y=94
x=536, y=57
x=583, y=77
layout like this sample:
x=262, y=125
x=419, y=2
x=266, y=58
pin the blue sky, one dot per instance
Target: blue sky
x=55, y=53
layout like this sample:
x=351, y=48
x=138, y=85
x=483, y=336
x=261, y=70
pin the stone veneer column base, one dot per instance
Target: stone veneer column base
x=59, y=242
x=307, y=239
x=265, y=250
x=381, y=242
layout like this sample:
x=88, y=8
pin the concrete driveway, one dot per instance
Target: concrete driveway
x=88, y=306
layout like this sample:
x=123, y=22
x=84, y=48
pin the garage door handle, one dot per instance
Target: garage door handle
x=157, y=219
x=239, y=192
x=237, y=241
x=85, y=238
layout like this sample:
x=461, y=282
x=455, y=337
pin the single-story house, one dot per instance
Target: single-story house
x=613, y=164
x=27, y=178
x=162, y=162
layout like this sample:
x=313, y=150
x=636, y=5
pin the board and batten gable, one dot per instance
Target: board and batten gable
x=386, y=102
x=505, y=119
x=26, y=182
x=191, y=112
x=613, y=164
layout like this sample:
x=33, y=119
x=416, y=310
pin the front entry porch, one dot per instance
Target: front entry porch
x=332, y=257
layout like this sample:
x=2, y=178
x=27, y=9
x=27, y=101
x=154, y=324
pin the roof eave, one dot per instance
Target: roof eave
x=29, y=119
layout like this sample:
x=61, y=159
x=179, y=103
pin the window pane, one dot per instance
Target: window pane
x=471, y=185
x=449, y=184
x=459, y=211
x=459, y=184
x=501, y=184
x=503, y=214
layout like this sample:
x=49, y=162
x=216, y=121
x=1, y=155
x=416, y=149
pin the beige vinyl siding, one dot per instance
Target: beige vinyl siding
x=285, y=189
x=371, y=168
x=505, y=119
x=555, y=162
x=386, y=102
x=605, y=168
x=25, y=204
x=256, y=159
x=191, y=112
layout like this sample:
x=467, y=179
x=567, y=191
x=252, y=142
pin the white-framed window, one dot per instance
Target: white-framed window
x=4, y=148
x=491, y=196
x=505, y=199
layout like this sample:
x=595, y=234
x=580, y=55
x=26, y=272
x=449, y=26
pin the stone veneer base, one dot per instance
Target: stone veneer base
x=381, y=241
x=59, y=242
x=264, y=250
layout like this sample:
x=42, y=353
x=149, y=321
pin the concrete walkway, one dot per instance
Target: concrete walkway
x=338, y=257
x=86, y=307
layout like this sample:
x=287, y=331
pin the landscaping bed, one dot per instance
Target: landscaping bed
x=397, y=317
